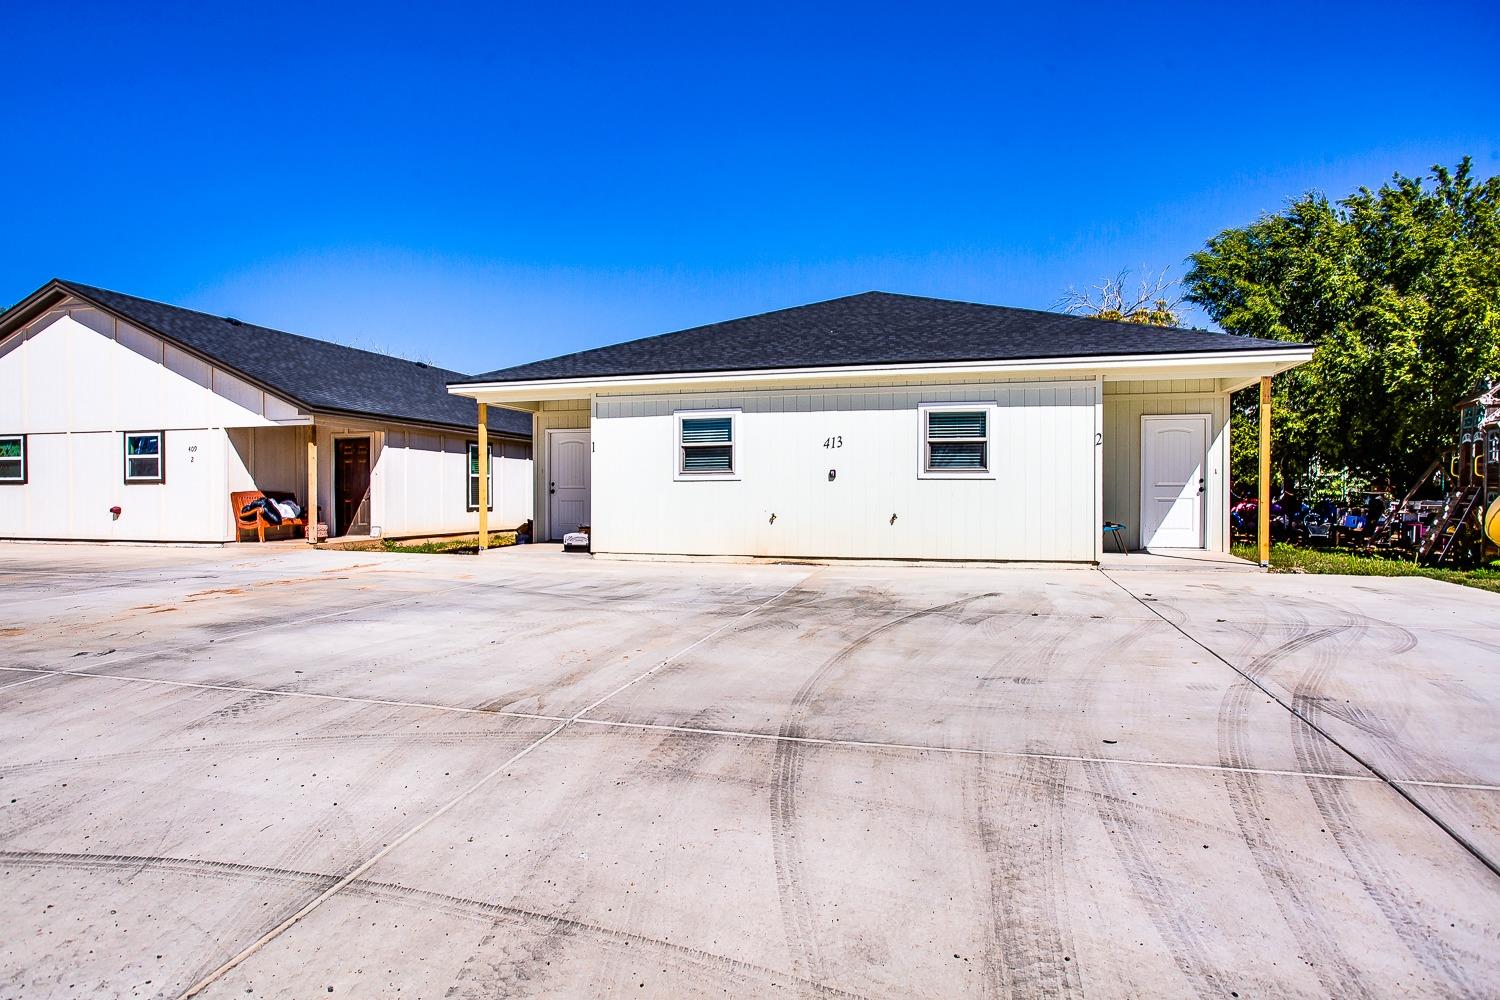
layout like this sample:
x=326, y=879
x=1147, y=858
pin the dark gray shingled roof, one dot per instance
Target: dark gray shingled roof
x=874, y=328
x=314, y=374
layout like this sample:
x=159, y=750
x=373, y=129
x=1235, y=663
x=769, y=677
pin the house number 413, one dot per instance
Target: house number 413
x=835, y=441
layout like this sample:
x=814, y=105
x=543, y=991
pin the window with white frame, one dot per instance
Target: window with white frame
x=472, y=494
x=13, y=459
x=706, y=444
x=144, y=459
x=955, y=440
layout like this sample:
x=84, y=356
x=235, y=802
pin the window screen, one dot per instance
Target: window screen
x=707, y=445
x=957, y=440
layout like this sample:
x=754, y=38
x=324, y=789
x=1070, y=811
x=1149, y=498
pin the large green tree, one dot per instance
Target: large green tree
x=1398, y=290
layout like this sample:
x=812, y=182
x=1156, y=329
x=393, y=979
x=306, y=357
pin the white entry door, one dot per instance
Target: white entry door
x=1174, y=465
x=567, y=482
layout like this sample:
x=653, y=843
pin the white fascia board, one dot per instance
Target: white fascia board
x=1209, y=364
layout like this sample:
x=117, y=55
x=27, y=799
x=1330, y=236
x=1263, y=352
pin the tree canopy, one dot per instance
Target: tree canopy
x=1398, y=290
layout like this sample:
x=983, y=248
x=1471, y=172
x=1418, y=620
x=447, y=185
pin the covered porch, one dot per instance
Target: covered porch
x=326, y=469
x=560, y=474
x=357, y=478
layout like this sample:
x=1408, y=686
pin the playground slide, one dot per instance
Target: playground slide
x=1492, y=522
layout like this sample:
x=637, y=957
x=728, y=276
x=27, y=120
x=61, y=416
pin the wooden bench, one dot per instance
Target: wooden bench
x=254, y=520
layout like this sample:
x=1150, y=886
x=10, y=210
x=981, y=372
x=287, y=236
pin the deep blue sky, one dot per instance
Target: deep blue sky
x=489, y=185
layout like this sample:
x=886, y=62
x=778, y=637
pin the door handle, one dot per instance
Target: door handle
x=1201, y=487
x=551, y=488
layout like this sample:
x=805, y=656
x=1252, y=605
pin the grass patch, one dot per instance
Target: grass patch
x=1295, y=559
x=466, y=545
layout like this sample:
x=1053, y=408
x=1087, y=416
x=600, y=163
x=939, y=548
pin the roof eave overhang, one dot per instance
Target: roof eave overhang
x=1233, y=366
x=330, y=415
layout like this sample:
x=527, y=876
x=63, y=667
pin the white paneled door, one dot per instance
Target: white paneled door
x=567, y=481
x=1173, y=468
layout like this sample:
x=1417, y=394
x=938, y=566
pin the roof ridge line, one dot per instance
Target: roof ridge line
x=690, y=329
x=80, y=288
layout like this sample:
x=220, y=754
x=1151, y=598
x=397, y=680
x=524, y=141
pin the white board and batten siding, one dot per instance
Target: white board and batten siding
x=419, y=483
x=74, y=380
x=1125, y=404
x=1041, y=501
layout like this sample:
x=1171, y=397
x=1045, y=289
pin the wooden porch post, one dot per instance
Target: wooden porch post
x=1263, y=506
x=312, y=484
x=484, y=481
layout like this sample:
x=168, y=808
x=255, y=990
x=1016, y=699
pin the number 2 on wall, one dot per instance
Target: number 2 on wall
x=834, y=441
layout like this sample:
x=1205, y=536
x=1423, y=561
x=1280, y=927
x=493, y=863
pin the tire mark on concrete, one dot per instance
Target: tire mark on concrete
x=504, y=963
x=1294, y=898
x=483, y=973
x=291, y=744
x=1317, y=743
x=421, y=898
x=1333, y=802
x=764, y=976
x=790, y=755
x=220, y=870
x=1189, y=951
x=1340, y=817
x=1033, y=953
x=335, y=829
x=1288, y=890
x=1031, y=948
x=673, y=765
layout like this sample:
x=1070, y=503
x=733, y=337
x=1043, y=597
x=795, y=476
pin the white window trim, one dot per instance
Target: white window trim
x=25, y=459
x=734, y=447
x=990, y=410
x=160, y=478
x=469, y=477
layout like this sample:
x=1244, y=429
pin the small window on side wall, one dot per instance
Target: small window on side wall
x=472, y=494
x=955, y=442
x=145, y=457
x=706, y=444
x=13, y=459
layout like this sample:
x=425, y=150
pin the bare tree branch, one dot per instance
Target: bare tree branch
x=1156, y=300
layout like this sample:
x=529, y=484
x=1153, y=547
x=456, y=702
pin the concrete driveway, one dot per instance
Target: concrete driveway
x=275, y=772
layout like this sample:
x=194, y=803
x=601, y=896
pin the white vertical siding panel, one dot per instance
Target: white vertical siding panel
x=1040, y=504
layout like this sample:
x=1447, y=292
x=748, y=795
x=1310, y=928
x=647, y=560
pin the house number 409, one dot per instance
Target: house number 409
x=836, y=441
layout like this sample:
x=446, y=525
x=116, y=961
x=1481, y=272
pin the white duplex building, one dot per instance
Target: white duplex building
x=888, y=426
x=126, y=419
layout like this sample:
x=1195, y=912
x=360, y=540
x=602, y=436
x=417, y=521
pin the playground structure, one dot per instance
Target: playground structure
x=1450, y=516
x=1464, y=527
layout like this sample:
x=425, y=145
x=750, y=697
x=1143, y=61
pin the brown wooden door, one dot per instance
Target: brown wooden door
x=351, y=485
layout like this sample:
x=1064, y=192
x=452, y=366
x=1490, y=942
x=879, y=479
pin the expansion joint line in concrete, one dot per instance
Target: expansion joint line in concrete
x=42, y=673
x=442, y=810
x=278, y=692
x=1394, y=784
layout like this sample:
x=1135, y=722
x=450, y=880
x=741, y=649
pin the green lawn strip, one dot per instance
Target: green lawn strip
x=466, y=544
x=1295, y=559
x=461, y=545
